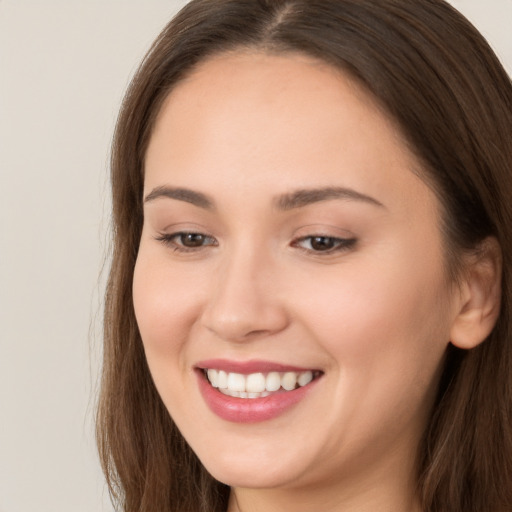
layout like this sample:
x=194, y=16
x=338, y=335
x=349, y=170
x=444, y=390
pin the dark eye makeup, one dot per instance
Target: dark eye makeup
x=186, y=241
x=189, y=241
x=323, y=244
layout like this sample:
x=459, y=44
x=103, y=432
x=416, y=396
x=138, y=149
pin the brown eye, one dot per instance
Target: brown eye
x=186, y=241
x=322, y=243
x=325, y=244
x=192, y=239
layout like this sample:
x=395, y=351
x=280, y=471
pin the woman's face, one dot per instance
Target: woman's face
x=287, y=237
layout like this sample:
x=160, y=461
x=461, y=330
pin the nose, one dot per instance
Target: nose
x=244, y=300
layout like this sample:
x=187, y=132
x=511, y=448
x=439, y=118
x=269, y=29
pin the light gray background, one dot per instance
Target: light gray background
x=63, y=68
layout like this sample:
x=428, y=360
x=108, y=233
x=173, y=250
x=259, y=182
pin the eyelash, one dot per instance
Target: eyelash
x=338, y=244
x=170, y=241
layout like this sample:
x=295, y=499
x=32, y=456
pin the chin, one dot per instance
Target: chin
x=247, y=474
x=253, y=467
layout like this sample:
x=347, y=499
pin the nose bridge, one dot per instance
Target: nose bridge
x=243, y=301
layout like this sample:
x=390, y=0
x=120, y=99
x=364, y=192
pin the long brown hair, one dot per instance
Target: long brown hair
x=437, y=77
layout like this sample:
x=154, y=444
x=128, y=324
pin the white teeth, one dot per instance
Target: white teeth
x=257, y=385
x=229, y=392
x=289, y=381
x=222, y=379
x=305, y=378
x=236, y=382
x=243, y=394
x=213, y=376
x=273, y=381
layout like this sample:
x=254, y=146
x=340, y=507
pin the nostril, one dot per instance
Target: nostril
x=238, y=311
x=245, y=323
x=235, y=333
x=255, y=333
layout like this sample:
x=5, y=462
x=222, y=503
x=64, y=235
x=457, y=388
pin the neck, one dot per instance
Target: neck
x=383, y=489
x=271, y=500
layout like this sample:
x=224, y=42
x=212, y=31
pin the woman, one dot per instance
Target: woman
x=309, y=302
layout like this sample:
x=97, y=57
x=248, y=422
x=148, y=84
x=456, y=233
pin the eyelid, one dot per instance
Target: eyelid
x=341, y=244
x=169, y=240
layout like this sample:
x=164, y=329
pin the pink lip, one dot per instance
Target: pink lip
x=250, y=410
x=247, y=367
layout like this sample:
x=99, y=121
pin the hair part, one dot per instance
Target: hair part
x=435, y=75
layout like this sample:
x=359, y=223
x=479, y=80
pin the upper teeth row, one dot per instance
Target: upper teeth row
x=258, y=382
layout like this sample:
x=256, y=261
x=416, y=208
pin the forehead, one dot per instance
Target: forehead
x=228, y=82
x=280, y=120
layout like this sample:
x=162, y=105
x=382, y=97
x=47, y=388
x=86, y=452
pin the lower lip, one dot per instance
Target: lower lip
x=250, y=410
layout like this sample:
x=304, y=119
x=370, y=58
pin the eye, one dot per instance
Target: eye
x=192, y=239
x=186, y=241
x=325, y=244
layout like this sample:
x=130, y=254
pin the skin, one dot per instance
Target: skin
x=376, y=316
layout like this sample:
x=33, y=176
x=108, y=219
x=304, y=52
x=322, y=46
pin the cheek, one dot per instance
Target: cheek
x=386, y=338
x=166, y=303
x=383, y=320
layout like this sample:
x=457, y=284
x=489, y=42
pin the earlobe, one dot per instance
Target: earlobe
x=480, y=296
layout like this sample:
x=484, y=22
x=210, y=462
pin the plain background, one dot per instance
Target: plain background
x=63, y=68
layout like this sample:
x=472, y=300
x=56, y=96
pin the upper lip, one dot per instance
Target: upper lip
x=251, y=366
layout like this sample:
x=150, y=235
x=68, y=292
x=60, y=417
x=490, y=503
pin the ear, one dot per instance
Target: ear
x=480, y=296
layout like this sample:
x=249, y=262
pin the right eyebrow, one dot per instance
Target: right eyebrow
x=305, y=197
x=181, y=194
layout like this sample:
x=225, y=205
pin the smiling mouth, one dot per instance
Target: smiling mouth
x=258, y=385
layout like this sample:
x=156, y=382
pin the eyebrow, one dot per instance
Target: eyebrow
x=305, y=197
x=181, y=194
x=296, y=199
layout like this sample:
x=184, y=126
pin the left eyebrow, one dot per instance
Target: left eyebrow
x=181, y=194
x=304, y=197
